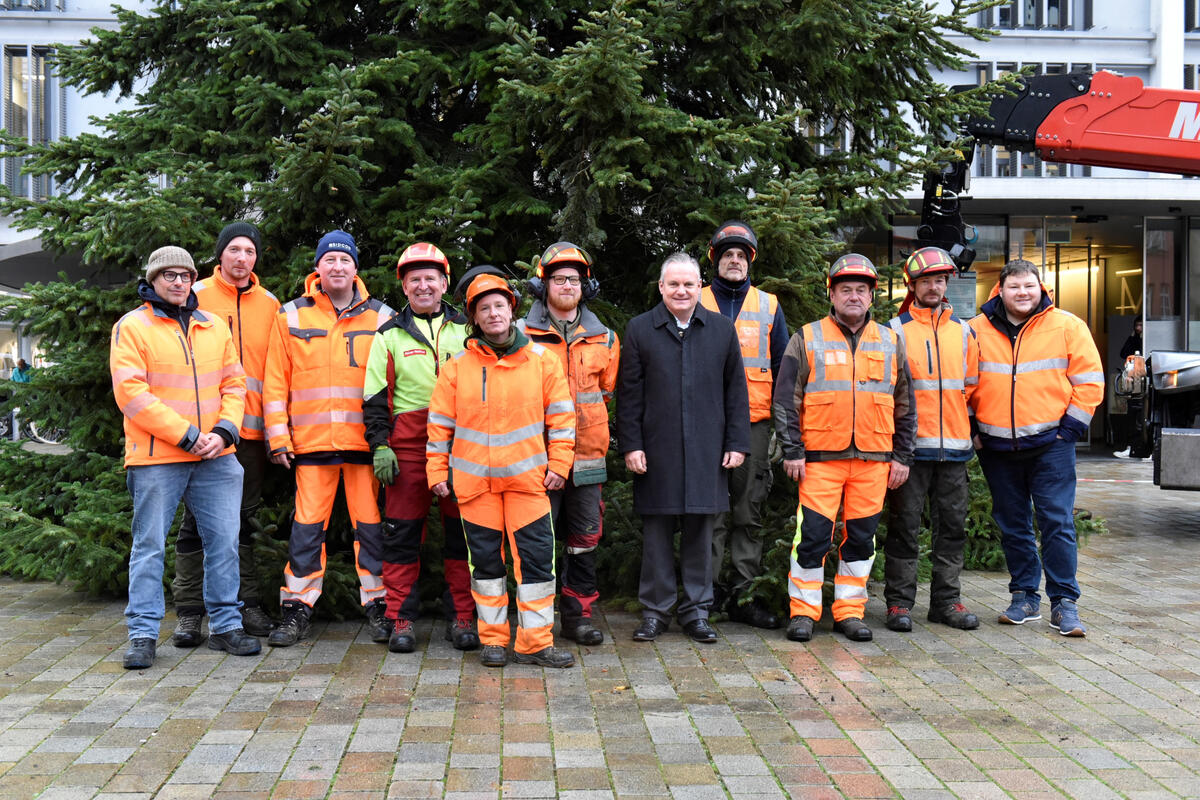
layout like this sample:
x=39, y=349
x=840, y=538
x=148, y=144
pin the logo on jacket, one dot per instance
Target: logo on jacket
x=418, y=352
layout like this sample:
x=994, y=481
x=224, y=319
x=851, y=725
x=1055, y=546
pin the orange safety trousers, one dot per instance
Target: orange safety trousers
x=858, y=487
x=523, y=518
x=316, y=489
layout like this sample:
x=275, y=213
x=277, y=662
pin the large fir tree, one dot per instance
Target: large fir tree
x=633, y=128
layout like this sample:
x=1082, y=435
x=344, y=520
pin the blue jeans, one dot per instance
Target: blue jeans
x=212, y=491
x=1047, y=482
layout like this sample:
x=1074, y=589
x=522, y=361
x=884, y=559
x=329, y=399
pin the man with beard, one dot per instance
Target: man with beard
x=560, y=321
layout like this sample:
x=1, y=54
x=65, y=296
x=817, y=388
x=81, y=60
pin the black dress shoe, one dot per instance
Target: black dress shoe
x=853, y=629
x=700, y=631
x=650, y=629
x=753, y=613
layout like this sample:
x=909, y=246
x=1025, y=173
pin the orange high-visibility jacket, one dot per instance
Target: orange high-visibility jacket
x=497, y=425
x=1043, y=385
x=754, y=322
x=316, y=363
x=590, y=360
x=171, y=387
x=249, y=315
x=943, y=366
x=849, y=397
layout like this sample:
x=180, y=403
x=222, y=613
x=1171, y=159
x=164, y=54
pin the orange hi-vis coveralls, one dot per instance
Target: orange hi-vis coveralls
x=312, y=399
x=496, y=424
x=843, y=404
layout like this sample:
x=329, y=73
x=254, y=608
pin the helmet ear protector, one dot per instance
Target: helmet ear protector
x=563, y=254
x=464, y=284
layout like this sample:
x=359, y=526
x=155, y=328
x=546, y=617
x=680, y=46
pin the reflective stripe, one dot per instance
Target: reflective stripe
x=325, y=393
x=277, y=430
x=328, y=417
x=853, y=580
x=275, y=407
x=252, y=422
x=529, y=618
x=1075, y=412
x=442, y=419
x=484, y=471
x=804, y=585
x=128, y=373
x=590, y=463
x=1045, y=363
x=1025, y=430
x=972, y=381
x=186, y=408
x=564, y=434
x=934, y=442
x=139, y=404
x=433, y=446
x=589, y=397
x=995, y=366
x=172, y=380
x=529, y=594
x=491, y=587
x=577, y=550
x=560, y=407
x=500, y=439
x=1086, y=377
x=931, y=384
x=254, y=384
x=491, y=615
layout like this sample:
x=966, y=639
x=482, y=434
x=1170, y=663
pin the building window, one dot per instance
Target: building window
x=1040, y=14
x=1191, y=15
x=27, y=80
x=33, y=5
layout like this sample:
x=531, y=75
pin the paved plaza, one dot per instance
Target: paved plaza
x=1003, y=711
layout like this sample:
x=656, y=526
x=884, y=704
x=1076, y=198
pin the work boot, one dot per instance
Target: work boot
x=493, y=655
x=234, y=642
x=582, y=632
x=377, y=622
x=461, y=633
x=547, y=657
x=899, y=619
x=140, y=654
x=292, y=627
x=256, y=622
x=800, y=628
x=402, y=638
x=187, y=631
x=854, y=629
x=752, y=613
x=955, y=615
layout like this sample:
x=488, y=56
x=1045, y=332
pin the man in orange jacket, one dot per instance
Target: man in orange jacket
x=844, y=417
x=501, y=433
x=1040, y=379
x=181, y=391
x=234, y=295
x=560, y=320
x=943, y=364
x=312, y=399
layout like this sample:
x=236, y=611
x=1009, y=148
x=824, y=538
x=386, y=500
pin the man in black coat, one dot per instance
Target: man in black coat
x=682, y=422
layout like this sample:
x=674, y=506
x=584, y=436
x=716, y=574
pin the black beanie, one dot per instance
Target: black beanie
x=234, y=230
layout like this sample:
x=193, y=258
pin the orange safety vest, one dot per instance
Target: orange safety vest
x=849, y=397
x=754, y=323
x=170, y=387
x=943, y=366
x=316, y=364
x=1052, y=371
x=497, y=425
x=591, y=361
x=249, y=315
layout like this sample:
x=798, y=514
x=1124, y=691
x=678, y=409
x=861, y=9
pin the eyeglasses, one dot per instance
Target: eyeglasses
x=563, y=280
x=172, y=277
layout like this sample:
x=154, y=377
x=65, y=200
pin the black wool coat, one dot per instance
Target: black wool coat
x=682, y=400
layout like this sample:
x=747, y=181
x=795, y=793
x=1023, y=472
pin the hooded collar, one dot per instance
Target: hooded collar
x=312, y=290
x=163, y=308
x=539, y=319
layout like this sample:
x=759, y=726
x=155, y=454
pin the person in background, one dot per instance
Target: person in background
x=21, y=371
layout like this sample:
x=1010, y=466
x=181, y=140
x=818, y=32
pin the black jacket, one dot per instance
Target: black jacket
x=682, y=400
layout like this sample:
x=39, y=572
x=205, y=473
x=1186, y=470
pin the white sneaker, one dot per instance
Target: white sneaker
x=1122, y=454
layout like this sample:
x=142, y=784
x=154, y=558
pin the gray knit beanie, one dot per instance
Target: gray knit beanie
x=169, y=256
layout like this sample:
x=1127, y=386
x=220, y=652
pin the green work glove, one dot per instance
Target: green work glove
x=386, y=467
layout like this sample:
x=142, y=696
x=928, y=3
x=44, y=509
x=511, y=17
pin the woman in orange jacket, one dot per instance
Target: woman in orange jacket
x=502, y=433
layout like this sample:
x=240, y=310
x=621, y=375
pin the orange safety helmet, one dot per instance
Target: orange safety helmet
x=852, y=266
x=487, y=282
x=422, y=254
x=927, y=261
x=563, y=254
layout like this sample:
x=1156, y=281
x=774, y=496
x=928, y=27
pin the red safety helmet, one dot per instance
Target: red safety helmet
x=733, y=233
x=422, y=255
x=927, y=261
x=852, y=266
